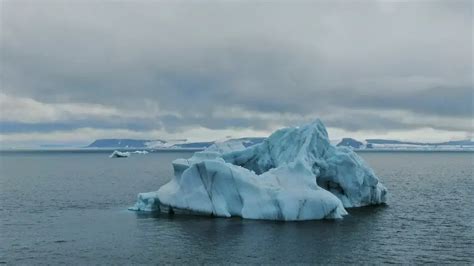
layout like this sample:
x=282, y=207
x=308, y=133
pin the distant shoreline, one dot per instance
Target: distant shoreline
x=85, y=150
x=412, y=150
x=98, y=150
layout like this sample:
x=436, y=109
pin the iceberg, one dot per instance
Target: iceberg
x=118, y=154
x=295, y=174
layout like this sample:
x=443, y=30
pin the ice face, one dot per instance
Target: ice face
x=118, y=154
x=295, y=174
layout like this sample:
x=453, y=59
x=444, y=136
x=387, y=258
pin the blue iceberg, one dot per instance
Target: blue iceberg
x=295, y=174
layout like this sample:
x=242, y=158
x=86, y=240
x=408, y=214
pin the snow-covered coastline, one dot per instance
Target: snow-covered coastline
x=357, y=145
x=396, y=145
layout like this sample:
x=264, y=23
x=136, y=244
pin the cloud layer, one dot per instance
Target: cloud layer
x=364, y=67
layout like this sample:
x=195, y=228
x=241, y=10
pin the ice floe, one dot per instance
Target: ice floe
x=119, y=154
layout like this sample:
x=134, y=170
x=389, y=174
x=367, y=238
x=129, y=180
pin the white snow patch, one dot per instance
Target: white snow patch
x=140, y=152
x=227, y=146
x=165, y=144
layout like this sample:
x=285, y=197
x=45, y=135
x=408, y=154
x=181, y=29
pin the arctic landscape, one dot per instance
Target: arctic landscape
x=295, y=174
x=312, y=132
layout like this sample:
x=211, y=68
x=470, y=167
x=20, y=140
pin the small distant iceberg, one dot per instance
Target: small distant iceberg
x=295, y=174
x=118, y=154
x=140, y=152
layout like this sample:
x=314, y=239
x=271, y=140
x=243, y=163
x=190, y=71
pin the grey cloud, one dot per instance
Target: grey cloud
x=194, y=58
x=443, y=101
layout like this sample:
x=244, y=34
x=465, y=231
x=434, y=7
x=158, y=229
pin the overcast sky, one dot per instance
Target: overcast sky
x=74, y=71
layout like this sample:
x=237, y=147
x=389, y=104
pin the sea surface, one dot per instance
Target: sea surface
x=70, y=207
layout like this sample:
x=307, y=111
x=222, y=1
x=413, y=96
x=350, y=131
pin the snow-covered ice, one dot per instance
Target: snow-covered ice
x=295, y=174
x=119, y=154
x=140, y=152
x=227, y=146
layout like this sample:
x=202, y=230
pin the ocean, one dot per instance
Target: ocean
x=70, y=207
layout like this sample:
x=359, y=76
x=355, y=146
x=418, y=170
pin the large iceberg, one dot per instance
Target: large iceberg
x=295, y=174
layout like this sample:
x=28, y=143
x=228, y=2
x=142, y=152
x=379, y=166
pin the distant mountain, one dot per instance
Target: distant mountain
x=349, y=142
x=466, y=142
x=162, y=144
x=378, y=144
x=119, y=143
x=193, y=145
x=393, y=145
x=389, y=141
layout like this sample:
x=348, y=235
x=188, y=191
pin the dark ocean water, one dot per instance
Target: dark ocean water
x=71, y=207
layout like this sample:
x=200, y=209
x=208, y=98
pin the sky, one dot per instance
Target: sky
x=75, y=71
